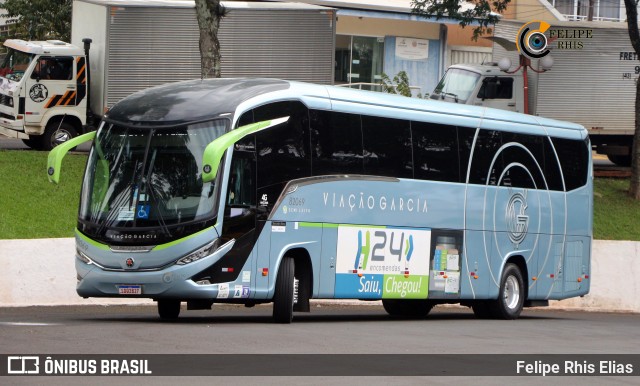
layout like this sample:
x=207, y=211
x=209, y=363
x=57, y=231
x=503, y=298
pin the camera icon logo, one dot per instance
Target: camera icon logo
x=531, y=40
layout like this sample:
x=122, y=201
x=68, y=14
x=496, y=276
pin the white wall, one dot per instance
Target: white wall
x=42, y=272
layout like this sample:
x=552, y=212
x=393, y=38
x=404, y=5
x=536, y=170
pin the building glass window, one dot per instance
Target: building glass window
x=359, y=59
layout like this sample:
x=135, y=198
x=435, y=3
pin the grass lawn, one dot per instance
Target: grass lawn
x=32, y=207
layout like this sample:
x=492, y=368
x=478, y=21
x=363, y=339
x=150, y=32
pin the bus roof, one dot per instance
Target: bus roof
x=198, y=100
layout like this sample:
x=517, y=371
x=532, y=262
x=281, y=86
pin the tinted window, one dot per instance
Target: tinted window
x=387, y=147
x=336, y=143
x=283, y=151
x=435, y=149
x=486, y=165
x=523, y=159
x=465, y=141
x=496, y=88
x=551, y=167
x=574, y=156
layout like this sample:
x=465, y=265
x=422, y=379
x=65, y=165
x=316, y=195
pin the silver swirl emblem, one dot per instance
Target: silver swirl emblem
x=516, y=218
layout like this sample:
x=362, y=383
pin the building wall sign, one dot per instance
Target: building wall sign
x=412, y=49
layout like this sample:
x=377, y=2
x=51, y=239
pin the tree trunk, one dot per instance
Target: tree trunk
x=634, y=36
x=209, y=14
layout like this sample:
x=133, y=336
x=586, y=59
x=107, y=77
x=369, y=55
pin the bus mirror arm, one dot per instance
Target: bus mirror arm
x=215, y=150
x=54, y=161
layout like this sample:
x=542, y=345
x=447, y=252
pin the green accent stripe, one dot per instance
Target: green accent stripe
x=331, y=225
x=213, y=152
x=160, y=247
x=54, y=160
x=87, y=240
x=176, y=242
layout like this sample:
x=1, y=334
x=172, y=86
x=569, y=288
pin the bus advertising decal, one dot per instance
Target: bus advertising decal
x=382, y=262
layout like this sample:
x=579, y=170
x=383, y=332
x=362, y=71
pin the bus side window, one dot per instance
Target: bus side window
x=574, y=156
x=486, y=165
x=336, y=143
x=518, y=159
x=435, y=149
x=387, y=147
x=283, y=151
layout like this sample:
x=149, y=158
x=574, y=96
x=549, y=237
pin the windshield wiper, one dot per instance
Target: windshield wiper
x=450, y=94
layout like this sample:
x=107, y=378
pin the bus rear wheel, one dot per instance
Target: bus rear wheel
x=409, y=308
x=284, y=296
x=511, y=296
x=169, y=309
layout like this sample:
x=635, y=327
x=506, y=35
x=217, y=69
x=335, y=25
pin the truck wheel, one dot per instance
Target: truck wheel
x=55, y=134
x=33, y=142
x=409, y=308
x=284, y=295
x=620, y=160
x=511, y=296
x=169, y=309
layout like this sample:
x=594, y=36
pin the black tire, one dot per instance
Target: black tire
x=169, y=309
x=284, y=296
x=55, y=134
x=511, y=296
x=408, y=308
x=33, y=142
x=481, y=309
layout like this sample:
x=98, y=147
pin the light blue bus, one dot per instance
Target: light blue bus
x=258, y=190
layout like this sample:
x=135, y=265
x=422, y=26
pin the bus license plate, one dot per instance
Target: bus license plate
x=130, y=289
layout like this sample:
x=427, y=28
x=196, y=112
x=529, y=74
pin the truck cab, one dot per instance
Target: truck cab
x=481, y=85
x=43, y=92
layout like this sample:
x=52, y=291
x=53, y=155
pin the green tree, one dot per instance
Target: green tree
x=486, y=13
x=209, y=14
x=38, y=19
x=634, y=35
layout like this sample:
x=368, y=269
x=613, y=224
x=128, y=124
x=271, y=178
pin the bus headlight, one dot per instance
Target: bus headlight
x=199, y=254
x=82, y=257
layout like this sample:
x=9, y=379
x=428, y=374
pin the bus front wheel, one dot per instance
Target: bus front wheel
x=410, y=308
x=511, y=296
x=168, y=309
x=284, y=296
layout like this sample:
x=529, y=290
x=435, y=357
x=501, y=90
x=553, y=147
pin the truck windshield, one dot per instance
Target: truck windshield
x=148, y=178
x=15, y=64
x=457, y=84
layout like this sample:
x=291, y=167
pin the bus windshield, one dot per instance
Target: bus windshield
x=148, y=178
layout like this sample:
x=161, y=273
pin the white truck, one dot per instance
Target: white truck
x=51, y=91
x=592, y=82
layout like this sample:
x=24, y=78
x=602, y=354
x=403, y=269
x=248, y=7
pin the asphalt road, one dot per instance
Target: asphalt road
x=328, y=329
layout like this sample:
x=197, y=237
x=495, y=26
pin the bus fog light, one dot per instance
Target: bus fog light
x=199, y=253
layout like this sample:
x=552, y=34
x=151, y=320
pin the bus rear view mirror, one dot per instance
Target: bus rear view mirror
x=214, y=150
x=54, y=161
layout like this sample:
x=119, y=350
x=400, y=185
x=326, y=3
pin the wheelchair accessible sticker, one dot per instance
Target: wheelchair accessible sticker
x=142, y=211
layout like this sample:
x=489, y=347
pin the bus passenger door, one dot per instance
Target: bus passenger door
x=240, y=218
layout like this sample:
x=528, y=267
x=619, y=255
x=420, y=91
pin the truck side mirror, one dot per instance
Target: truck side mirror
x=54, y=161
x=214, y=150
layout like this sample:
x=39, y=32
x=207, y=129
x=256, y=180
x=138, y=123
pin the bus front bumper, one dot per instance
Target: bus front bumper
x=173, y=282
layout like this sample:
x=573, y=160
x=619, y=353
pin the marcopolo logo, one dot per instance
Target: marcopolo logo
x=531, y=40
